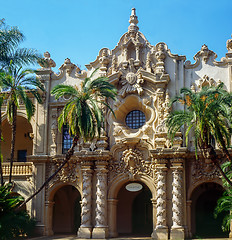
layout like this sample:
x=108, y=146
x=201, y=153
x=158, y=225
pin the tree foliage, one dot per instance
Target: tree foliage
x=207, y=115
x=13, y=223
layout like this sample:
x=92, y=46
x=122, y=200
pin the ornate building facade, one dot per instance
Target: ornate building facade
x=131, y=180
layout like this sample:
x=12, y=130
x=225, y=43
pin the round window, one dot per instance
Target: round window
x=135, y=119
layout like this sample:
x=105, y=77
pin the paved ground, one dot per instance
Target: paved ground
x=75, y=237
x=122, y=238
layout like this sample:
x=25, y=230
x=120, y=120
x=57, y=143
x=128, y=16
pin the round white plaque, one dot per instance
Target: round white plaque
x=134, y=187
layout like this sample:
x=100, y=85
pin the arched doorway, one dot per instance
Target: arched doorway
x=204, y=201
x=134, y=211
x=66, y=210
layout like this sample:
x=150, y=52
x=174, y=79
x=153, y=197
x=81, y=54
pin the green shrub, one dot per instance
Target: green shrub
x=13, y=224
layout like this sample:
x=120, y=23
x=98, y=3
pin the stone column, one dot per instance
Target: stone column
x=101, y=229
x=85, y=230
x=177, y=229
x=48, y=220
x=112, y=207
x=161, y=230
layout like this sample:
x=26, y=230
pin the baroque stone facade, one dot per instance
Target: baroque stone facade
x=92, y=194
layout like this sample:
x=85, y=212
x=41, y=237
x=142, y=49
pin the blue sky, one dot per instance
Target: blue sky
x=78, y=29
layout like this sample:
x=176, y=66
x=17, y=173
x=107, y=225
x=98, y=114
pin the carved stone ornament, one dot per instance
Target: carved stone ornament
x=131, y=163
x=229, y=45
x=114, y=66
x=163, y=111
x=161, y=197
x=104, y=59
x=177, y=197
x=47, y=62
x=205, y=53
x=130, y=80
x=203, y=171
x=207, y=82
x=101, y=194
x=69, y=173
x=68, y=66
x=86, y=198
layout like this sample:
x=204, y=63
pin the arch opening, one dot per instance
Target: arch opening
x=24, y=139
x=134, y=211
x=204, y=200
x=66, y=210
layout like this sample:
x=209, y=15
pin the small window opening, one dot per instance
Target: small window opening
x=135, y=119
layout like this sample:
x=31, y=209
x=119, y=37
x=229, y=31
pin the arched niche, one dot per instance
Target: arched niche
x=24, y=139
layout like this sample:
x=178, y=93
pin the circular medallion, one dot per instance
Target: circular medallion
x=131, y=78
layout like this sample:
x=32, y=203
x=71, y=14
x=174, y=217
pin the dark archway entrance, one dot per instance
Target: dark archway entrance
x=67, y=210
x=134, y=212
x=204, y=201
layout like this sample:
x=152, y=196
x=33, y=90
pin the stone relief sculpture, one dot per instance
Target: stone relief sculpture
x=131, y=163
x=69, y=173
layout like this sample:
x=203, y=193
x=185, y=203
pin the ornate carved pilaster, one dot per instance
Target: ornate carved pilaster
x=85, y=230
x=161, y=231
x=177, y=230
x=53, y=131
x=101, y=230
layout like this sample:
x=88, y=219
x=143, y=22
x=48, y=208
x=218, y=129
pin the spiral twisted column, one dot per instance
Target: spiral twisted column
x=85, y=230
x=161, y=229
x=177, y=230
x=101, y=229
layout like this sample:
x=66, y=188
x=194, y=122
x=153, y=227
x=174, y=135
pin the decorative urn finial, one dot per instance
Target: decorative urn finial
x=133, y=22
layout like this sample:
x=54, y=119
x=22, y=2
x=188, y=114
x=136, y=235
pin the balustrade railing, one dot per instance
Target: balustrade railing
x=19, y=168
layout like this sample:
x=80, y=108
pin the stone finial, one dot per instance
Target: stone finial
x=47, y=62
x=133, y=22
x=229, y=44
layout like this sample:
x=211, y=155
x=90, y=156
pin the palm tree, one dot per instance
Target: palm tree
x=224, y=203
x=1, y=102
x=19, y=84
x=12, y=56
x=208, y=115
x=82, y=113
x=10, y=53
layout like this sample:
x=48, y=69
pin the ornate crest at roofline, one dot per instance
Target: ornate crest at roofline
x=134, y=62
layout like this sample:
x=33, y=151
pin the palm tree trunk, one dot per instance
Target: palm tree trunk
x=214, y=159
x=13, y=126
x=1, y=173
x=68, y=155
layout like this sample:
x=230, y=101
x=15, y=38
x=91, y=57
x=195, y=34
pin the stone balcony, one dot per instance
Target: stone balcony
x=19, y=169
